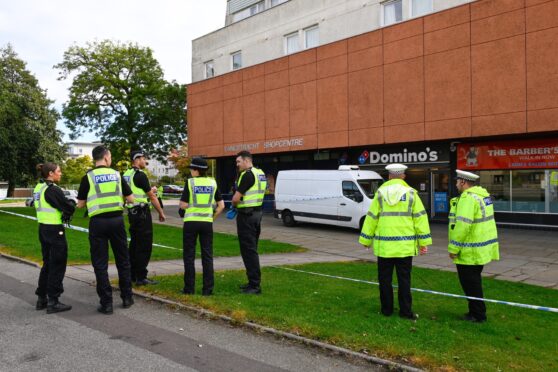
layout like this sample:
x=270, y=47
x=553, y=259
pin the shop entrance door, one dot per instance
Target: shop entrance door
x=439, y=197
x=420, y=179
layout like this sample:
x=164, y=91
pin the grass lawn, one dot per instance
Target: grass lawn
x=19, y=237
x=347, y=314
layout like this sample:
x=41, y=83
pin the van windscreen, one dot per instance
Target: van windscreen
x=369, y=187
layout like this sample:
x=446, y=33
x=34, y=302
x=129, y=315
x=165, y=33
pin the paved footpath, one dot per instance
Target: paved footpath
x=528, y=256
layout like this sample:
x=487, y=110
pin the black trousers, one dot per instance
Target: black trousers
x=471, y=282
x=55, y=257
x=248, y=228
x=190, y=233
x=101, y=231
x=141, y=242
x=403, y=268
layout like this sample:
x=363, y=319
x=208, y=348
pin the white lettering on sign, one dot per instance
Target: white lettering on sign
x=284, y=143
x=203, y=189
x=102, y=178
x=271, y=144
x=404, y=157
x=242, y=146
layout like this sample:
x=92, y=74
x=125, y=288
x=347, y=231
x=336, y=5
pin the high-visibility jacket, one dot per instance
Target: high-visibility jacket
x=396, y=222
x=140, y=196
x=254, y=196
x=472, y=231
x=160, y=191
x=105, y=191
x=202, y=199
x=46, y=213
x=554, y=178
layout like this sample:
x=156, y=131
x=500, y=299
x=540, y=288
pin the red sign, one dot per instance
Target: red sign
x=508, y=155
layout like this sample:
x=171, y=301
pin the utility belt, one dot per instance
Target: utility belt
x=249, y=211
x=140, y=208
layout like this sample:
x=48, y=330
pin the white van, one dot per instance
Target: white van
x=335, y=197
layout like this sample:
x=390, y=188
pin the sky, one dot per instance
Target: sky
x=41, y=30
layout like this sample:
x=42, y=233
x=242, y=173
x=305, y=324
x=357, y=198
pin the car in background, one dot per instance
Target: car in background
x=172, y=189
x=71, y=196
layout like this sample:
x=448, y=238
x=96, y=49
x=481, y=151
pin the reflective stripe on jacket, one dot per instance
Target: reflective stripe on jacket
x=472, y=230
x=140, y=196
x=396, y=222
x=46, y=213
x=105, y=191
x=202, y=199
x=254, y=196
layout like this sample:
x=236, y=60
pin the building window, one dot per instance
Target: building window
x=421, y=7
x=277, y=2
x=236, y=59
x=209, y=71
x=291, y=43
x=392, y=12
x=250, y=11
x=311, y=37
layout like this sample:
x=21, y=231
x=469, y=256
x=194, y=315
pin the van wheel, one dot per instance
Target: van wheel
x=288, y=218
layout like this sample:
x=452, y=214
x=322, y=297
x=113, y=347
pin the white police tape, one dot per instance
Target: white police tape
x=527, y=306
x=78, y=228
x=532, y=307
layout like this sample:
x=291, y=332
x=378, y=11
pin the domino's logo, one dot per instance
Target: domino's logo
x=203, y=189
x=103, y=178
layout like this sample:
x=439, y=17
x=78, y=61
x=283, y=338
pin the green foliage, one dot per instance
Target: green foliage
x=28, y=133
x=74, y=169
x=166, y=180
x=119, y=93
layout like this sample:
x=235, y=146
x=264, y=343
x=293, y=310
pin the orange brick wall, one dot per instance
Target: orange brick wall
x=482, y=69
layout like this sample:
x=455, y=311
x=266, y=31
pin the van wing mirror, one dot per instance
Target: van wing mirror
x=358, y=197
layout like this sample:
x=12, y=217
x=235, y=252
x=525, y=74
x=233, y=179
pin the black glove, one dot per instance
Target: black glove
x=181, y=212
x=66, y=219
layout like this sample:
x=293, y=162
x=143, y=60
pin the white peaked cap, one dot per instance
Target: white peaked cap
x=468, y=176
x=396, y=168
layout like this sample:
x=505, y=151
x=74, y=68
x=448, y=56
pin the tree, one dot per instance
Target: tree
x=118, y=92
x=74, y=169
x=179, y=157
x=28, y=133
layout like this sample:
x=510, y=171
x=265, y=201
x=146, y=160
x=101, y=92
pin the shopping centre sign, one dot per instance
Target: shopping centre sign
x=509, y=155
x=276, y=144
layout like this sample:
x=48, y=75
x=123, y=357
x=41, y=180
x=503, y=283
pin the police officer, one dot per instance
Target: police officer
x=139, y=216
x=102, y=191
x=473, y=239
x=196, y=207
x=248, y=199
x=52, y=210
x=397, y=225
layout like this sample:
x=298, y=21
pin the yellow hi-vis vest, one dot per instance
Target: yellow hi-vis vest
x=554, y=178
x=46, y=214
x=140, y=196
x=254, y=196
x=105, y=191
x=396, y=222
x=202, y=198
x=472, y=231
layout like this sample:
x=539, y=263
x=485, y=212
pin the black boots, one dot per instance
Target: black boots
x=54, y=306
x=41, y=303
x=105, y=309
x=127, y=302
